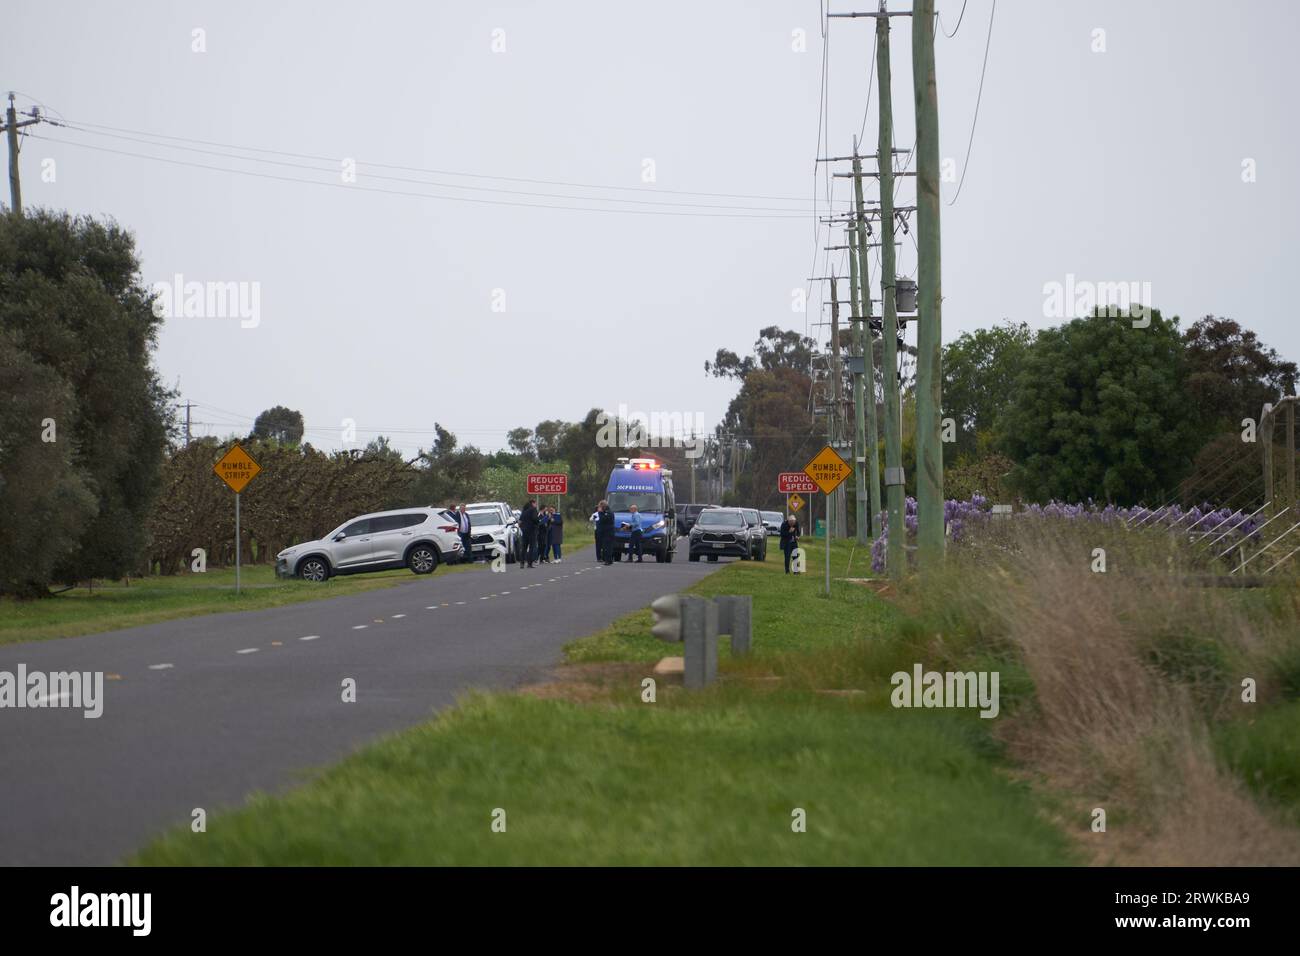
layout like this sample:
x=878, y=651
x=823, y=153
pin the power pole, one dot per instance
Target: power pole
x=12, y=126
x=894, y=557
x=188, y=406
x=693, y=447
x=832, y=423
x=929, y=345
x=867, y=350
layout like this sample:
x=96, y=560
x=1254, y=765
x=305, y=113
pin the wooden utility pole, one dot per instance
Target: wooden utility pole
x=868, y=457
x=929, y=344
x=895, y=555
x=832, y=421
x=11, y=127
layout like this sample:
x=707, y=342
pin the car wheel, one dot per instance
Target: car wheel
x=695, y=557
x=422, y=559
x=672, y=550
x=713, y=557
x=314, y=569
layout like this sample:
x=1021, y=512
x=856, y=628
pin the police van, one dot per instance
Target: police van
x=644, y=483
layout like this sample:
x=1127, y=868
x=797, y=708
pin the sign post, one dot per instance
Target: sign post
x=236, y=468
x=828, y=471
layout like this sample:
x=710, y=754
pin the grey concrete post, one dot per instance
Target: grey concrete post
x=700, y=635
x=735, y=617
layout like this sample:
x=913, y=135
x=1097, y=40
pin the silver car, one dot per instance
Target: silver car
x=415, y=538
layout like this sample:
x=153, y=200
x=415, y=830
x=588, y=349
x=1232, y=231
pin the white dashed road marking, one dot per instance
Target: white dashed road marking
x=248, y=650
x=395, y=616
x=359, y=627
x=159, y=667
x=310, y=637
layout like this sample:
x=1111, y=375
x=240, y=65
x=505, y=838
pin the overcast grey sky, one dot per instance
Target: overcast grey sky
x=1122, y=165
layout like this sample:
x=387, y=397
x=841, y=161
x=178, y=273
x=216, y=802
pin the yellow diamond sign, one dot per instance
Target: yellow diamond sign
x=795, y=502
x=828, y=469
x=236, y=468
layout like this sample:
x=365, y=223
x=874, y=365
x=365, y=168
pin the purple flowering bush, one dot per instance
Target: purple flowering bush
x=970, y=521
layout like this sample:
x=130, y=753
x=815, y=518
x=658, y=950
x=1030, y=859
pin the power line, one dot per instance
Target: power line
x=421, y=195
x=959, y=19
x=978, y=96
x=94, y=127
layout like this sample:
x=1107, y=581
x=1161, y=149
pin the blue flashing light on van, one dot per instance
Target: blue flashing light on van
x=644, y=483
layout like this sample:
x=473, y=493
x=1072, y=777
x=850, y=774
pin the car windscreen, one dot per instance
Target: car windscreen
x=480, y=519
x=773, y=517
x=720, y=519
x=644, y=500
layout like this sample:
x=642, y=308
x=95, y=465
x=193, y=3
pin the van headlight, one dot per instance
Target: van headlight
x=658, y=524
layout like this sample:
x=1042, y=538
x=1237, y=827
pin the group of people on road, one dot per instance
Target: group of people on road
x=607, y=544
x=542, y=534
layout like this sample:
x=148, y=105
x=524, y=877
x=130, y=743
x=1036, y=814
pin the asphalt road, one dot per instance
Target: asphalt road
x=199, y=712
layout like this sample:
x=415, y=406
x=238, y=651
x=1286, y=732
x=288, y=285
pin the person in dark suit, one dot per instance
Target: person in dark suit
x=605, y=532
x=528, y=528
x=544, y=534
x=462, y=528
x=557, y=533
x=789, y=539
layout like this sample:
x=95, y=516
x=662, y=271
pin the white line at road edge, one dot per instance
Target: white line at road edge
x=248, y=650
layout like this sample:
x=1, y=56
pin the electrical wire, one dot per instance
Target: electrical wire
x=420, y=195
x=959, y=19
x=978, y=97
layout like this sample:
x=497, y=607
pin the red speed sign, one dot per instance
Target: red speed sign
x=795, y=482
x=548, y=484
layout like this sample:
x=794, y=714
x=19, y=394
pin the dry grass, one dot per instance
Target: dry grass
x=1129, y=669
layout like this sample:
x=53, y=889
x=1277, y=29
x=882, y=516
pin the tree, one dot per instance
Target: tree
x=979, y=373
x=1231, y=374
x=1098, y=412
x=520, y=441
x=73, y=304
x=279, y=424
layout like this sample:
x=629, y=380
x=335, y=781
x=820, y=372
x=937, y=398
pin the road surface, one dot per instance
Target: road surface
x=208, y=709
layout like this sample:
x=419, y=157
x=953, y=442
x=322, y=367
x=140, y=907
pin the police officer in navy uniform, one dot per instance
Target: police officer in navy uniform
x=605, y=532
x=528, y=528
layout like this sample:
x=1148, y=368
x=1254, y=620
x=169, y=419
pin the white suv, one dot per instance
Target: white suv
x=492, y=523
x=415, y=538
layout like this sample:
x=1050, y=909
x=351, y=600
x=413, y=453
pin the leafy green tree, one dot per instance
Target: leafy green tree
x=520, y=441
x=979, y=373
x=279, y=424
x=44, y=497
x=1098, y=412
x=72, y=302
x=1231, y=374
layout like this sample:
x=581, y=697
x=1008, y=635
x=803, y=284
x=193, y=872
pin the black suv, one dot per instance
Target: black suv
x=757, y=534
x=686, y=515
x=720, y=531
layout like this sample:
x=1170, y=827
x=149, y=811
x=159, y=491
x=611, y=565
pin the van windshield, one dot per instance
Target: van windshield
x=644, y=501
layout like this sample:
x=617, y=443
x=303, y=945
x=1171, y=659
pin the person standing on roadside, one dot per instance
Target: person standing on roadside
x=557, y=533
x=605, y=532
x=633, y=524
x=544, y=535
x=462, y=528
x=789, y=539
x=528, y=528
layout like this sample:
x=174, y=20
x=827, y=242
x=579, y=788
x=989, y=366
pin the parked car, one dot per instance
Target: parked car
x=415, y=538
x=721, y=531
x=757, y=534
x=492, y=523
x=686, y=515
x=772, y=520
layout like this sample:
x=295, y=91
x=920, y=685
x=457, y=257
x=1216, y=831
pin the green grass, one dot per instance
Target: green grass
x=708, y=777
x=116, y=605
x=1265, y=753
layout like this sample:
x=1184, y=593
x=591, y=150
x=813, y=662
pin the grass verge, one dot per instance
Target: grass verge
x=714, y=777
x=116, y=605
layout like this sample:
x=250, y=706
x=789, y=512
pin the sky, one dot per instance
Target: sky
x=361, y=173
